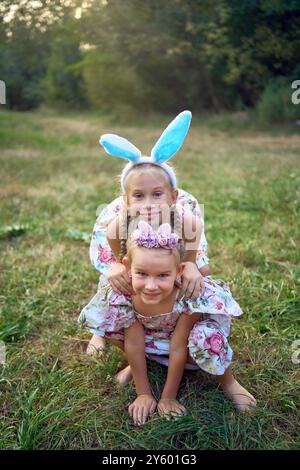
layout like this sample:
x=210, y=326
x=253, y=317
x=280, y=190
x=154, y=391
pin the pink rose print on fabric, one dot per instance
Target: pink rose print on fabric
x=197, y=337
x=219, y=305
x=105, y=255
x=215, y=344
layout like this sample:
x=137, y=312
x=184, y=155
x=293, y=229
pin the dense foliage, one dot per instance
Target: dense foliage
x=163, y=55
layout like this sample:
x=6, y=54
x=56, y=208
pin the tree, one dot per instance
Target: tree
x=63, y=82
x=27, y=31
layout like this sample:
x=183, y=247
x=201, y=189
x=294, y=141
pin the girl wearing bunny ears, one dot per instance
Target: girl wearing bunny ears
x=148, y=185
x=158, y=322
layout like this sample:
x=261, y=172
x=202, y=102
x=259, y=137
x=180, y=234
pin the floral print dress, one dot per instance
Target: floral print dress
x=109, y=313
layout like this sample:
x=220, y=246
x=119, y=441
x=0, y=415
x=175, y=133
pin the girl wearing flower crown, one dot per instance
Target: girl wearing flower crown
x=158, y=322
x=149, y=190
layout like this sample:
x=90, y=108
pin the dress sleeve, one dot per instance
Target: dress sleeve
x=107, y=312
x=186, y=199
x=101, y=255
x=122, y=305
x=216, y=300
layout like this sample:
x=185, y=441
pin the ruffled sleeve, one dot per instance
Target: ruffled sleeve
x=186, y=199
x=216, y=300
x=107, y=312
x=101, y=255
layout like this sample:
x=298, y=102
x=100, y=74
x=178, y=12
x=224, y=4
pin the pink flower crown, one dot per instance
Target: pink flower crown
x=146, y=237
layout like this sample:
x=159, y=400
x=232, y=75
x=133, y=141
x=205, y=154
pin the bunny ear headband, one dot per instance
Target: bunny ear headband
x=167, y=145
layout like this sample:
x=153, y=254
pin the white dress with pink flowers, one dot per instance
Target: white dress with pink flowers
x=108, y=314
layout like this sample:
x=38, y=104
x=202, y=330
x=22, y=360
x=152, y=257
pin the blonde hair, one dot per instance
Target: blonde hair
x=146, y=167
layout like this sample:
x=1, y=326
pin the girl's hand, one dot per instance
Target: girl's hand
x=192, y=282
x=141, y=408
x=170, y=407
x=119, y=279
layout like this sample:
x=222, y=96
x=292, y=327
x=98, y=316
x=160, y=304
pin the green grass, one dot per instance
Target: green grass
x=53, y=178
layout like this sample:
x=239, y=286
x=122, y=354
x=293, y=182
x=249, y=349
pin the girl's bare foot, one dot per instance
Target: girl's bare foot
x=124, y=376
x=242, y=399
x=170, y=407
x=96, y=345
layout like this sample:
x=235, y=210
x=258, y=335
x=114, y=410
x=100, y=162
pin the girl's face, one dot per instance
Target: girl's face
x=153, y=273
x=149, y=192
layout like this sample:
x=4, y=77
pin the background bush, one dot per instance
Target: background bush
x=275, y=104
x=120, y=57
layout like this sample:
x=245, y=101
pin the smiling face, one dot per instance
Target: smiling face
x=148, y=191
x=153, y=272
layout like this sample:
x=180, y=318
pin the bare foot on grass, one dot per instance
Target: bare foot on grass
x=242, y=399
x=96, y=346
x=124, y=376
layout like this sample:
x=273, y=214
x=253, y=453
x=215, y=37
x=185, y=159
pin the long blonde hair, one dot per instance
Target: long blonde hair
x=146, y=167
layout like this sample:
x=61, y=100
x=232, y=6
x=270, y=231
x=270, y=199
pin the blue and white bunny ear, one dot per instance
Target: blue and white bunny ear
x=172, y=138
x=120, y=147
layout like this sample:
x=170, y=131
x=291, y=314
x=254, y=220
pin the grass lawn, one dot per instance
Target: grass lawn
x=53, y=177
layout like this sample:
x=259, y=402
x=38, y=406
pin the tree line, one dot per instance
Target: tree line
x=162, y=55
